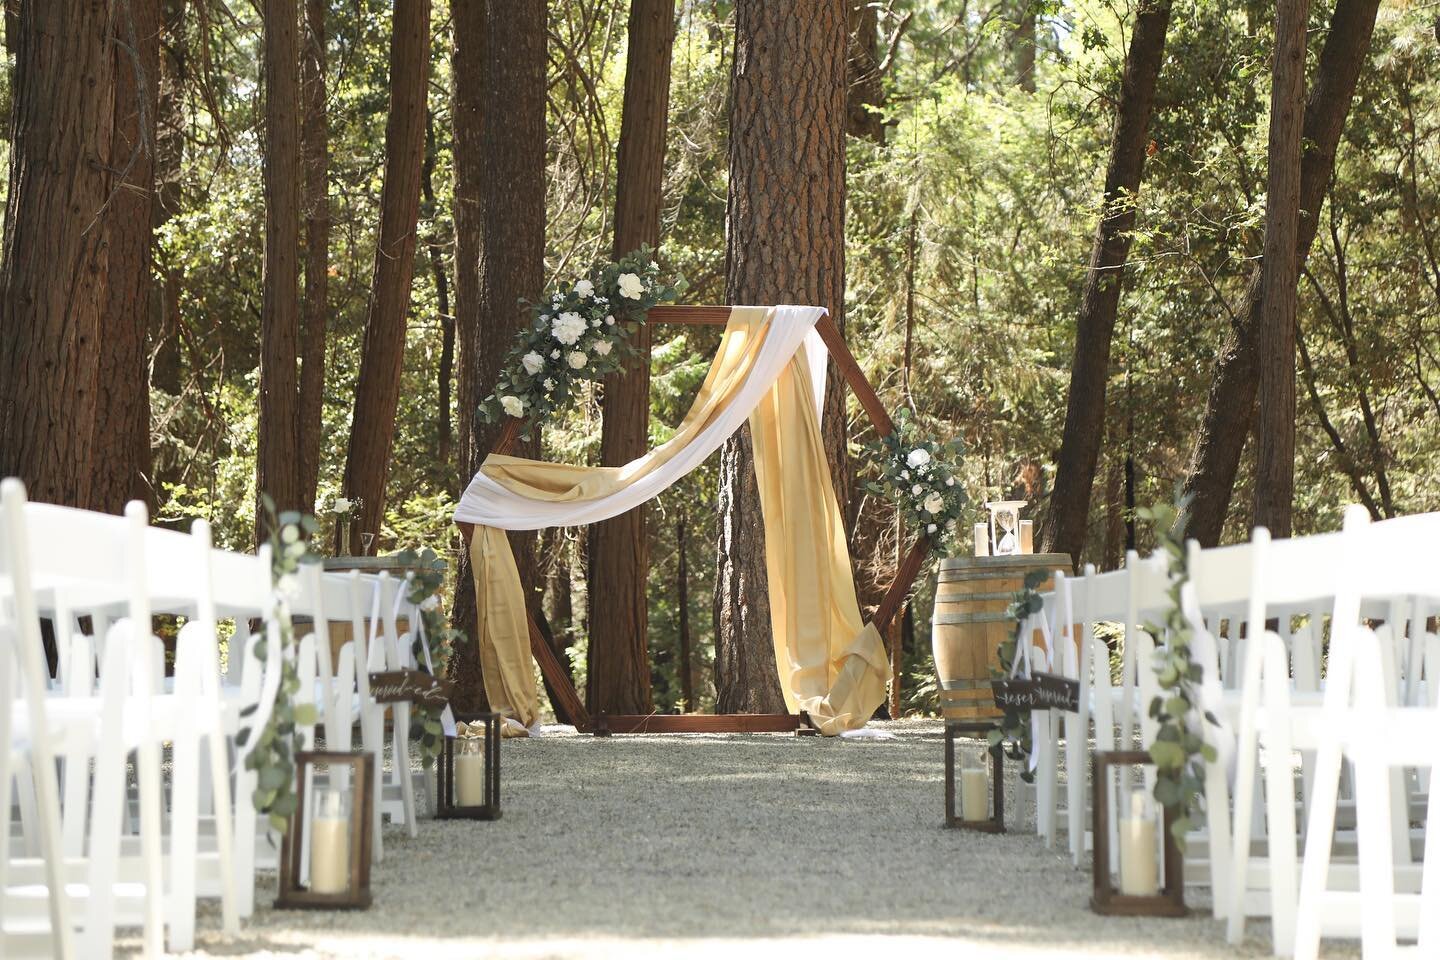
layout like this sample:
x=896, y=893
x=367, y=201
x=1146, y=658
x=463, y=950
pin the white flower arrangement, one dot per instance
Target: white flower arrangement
x=922, y=477
x=345, y=507
x=580, y=331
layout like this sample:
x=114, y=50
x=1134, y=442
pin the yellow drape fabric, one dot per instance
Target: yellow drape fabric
x=504, y=630
x=830, y=664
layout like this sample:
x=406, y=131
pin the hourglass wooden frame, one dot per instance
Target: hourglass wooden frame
x=445, y=807
x=293, y=896
x=1106, y=900
x=564, y=697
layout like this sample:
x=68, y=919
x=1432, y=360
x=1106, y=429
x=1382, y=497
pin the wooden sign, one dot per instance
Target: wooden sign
x=414, y=686
x=1043, y=691
x=1014, y=694
x=1055, y=692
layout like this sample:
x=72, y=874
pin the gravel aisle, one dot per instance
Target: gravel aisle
x=639, y=847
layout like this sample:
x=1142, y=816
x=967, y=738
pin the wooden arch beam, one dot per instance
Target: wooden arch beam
x=845, y=362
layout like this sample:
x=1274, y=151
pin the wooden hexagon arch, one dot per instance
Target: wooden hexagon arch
x=605, y=724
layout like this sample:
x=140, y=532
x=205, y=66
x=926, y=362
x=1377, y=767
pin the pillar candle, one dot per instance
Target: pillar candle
x=470, y=779
x=982, y=540
x=329, y=855
x=974, y=785
x=1027, y=536
x=1139, y=861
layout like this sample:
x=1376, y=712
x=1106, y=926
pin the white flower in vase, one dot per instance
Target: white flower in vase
x=514, y=406
x=918, y=457
x=631, y=286
x=584, y=289
x=602, y=347
x=532, y=362
x=576, y=359
x=341, y=505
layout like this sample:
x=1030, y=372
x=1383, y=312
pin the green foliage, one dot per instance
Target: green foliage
x=1013, y=734
x=922, y=477
x=1179, y=751
x=438, y=636
x=273, y=756
x=579, y=334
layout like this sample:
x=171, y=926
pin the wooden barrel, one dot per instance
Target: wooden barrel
x=971, y=620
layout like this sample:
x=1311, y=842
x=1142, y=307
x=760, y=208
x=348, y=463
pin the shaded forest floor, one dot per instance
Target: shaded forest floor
x=641, y=847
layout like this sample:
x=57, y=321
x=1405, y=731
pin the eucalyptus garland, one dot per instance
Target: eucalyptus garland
x=1013, y=734
x=1179, y=751
x=273, y=757
x=439, y=636
x=579, y=331
x=922, y=477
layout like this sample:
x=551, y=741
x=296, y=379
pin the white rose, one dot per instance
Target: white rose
x=567, y=327
x=584, y=288
x=602, y=347
x=514, y=406
x=930, y=528
x=918, y=457
x=532, y=362
x=341, y=505
x=949, y=481
x=576, y=359
x=916, y=489
x=631, y=286
x=609, y=321
x=934, y=503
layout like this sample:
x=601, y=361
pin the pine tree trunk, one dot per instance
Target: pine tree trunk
x=279, y=433
x=315, y=158
x=866, y=93
x=1065, y=526
x=785, y=245
x=120, y=442
x=55, y=260
x=686, y=666
x=1022, y=44
x=1230, y=406
x=169, y=161
x=445, y=376
x=377, y=393
x=499, y=59
x=619, y=656
x=1275, y=423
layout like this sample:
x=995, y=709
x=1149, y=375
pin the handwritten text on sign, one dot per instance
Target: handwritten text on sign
x=1045, y=691
x=414, y=686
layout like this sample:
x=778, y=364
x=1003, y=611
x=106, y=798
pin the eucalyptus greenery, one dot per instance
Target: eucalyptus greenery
x=578, y=332
x=922, y=477
x=441, y=638
x=1013, y=734
x=273, y=757
x=1179, y=751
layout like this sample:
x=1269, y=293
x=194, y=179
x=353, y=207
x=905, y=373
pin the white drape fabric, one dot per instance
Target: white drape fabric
x=487, y=502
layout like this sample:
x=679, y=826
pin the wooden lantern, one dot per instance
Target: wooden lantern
x=332, y=827
x=1169, y=897
x=450, y=805
x=995, y=823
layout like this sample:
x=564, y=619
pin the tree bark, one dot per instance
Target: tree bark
x=785, y=244
x=377, y=393
x=618, y=653
x=1022, y=44
x=55, y=259
x=499, y=59
x=866, y=92
x=169, y=163
x=1275, y=433
x=445, y=376
x=120, y=438
x=1231, y=402
x=686, y=666
x=279, y=435
x=315, y=159
x=1065, y=526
